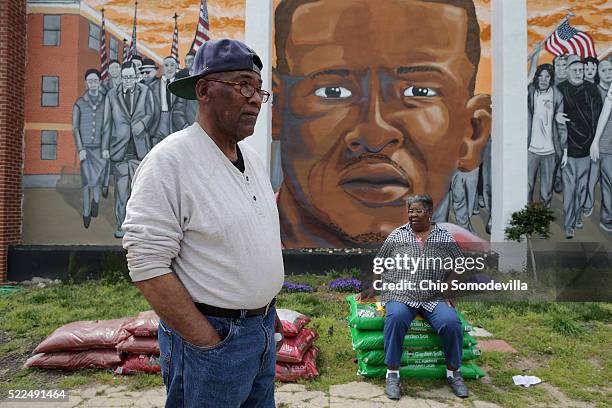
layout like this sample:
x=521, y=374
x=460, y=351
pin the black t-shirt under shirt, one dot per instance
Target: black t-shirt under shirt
x=239, y=163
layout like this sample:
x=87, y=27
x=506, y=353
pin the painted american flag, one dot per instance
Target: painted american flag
x=569, y=40
x=202, y=34
x=103, y=54
x=132, y=50
x=175, y=38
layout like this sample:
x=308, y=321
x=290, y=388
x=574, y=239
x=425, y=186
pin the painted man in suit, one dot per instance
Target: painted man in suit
x=164, y=101
x=128, y=110
x=87, y=121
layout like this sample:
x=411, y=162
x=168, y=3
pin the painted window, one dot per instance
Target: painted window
x=94, y=37
x=51, y=30
x=50, y=91
x=114, y=49
x=48, y=145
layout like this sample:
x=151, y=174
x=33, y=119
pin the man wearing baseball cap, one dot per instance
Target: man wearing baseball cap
x=203, y=243
x=582, y=105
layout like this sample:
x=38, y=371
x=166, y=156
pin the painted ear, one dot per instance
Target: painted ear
x=277, y=103
x=479, y=107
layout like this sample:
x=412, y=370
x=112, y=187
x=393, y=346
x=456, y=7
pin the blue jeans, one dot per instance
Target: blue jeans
x=237, y=372
x=443, y=319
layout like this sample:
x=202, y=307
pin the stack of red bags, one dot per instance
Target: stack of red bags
x=84, y=344
x=297, y=358
x=141, y=348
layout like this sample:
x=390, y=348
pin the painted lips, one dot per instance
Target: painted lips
x=375, y=183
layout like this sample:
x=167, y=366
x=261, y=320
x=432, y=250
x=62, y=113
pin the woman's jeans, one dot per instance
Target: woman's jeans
x=443, y=319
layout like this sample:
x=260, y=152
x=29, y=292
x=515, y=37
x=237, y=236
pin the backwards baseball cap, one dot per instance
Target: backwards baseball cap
x=573, y=58
x=217, y=56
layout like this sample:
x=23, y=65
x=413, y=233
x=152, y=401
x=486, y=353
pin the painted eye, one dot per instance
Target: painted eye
x=416, y=91
x=333, y=92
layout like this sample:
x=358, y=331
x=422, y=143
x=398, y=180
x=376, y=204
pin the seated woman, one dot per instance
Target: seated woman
x=419, y=238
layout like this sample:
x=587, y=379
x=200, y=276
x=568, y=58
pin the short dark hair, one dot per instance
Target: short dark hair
x=92, y=71
x=136, y=57
x=594, y=60
x=128, y=65
x=425, y=199
x=113, y=61
x=286, y=9
x=544, y=67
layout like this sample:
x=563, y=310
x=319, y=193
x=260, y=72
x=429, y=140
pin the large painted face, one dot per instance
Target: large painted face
x=561, y=68
x=590, y=70
x=92, y=82
x=128, y=78
x=376, y=109
x=605, y=72
x=544, y=80
x=170, y=66
x=576, y=73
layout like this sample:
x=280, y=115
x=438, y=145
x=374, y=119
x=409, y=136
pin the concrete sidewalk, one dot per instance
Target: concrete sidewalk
x=351, y=395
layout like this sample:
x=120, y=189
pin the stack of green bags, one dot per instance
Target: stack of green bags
x=422, y=356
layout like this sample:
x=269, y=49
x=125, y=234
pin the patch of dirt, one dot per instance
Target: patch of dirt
x=594, y=361
x=564, y=400
x=525, y=364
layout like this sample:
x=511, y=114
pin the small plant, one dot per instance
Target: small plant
x=345, y=285
x=533, y=220
x=296, y=287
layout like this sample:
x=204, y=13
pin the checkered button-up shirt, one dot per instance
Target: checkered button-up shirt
x=435, y=252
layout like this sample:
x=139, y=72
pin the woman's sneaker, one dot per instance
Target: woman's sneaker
x=457, y=385
x=392, y=386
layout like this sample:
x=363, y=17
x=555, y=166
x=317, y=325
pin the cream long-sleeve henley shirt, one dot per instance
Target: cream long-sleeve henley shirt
x=192, y=212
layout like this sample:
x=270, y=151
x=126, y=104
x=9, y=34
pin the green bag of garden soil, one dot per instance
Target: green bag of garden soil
x=377, y=357
x=374, y=340
x=369, y=316
x=468, y=371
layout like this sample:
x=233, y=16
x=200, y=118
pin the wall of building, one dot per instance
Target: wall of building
x=315, y=136
x=12, y=81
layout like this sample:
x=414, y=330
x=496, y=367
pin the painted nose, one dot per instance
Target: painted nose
x=374, y=134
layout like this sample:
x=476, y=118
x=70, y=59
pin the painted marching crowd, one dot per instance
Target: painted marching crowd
x=119, y=119
x=570, y=138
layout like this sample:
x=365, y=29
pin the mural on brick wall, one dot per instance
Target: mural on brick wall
x=376, y=101
x=373, y=101
x=569, y=136
x=97, y=113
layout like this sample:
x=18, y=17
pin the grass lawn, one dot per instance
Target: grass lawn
x=565, y=344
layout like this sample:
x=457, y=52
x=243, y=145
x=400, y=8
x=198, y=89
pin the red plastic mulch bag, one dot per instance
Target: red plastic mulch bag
x=73, y=360
x=294, y=371
x=85, y=335
x=292, y=321
x=145, y=324
x=139, y=363
x=139, y=345
x=293, y=348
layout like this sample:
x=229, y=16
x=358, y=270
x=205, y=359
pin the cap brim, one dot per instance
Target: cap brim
x=184, y=87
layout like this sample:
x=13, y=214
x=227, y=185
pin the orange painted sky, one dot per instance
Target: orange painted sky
x=155, y=24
